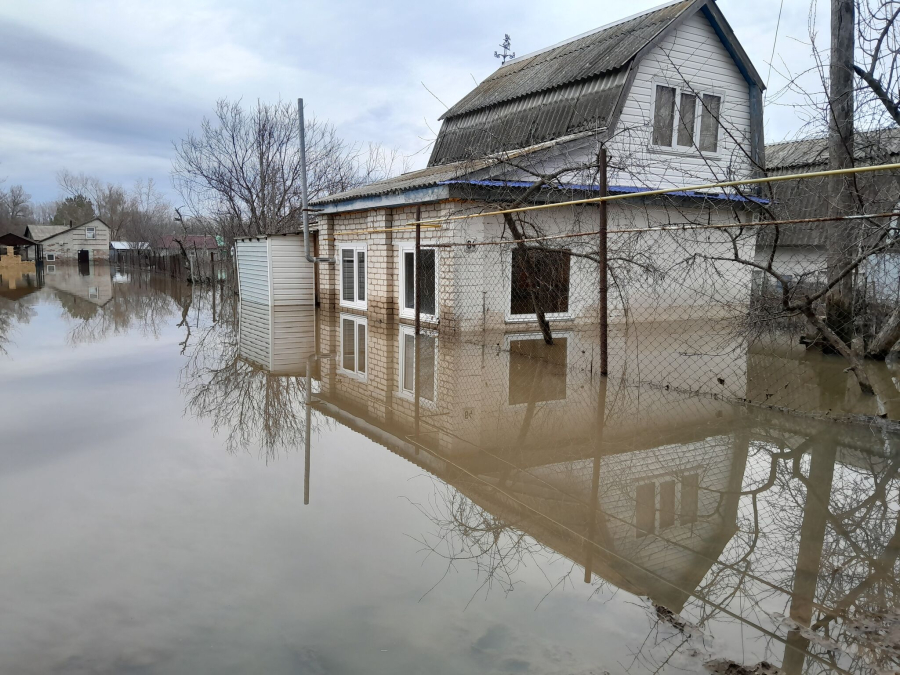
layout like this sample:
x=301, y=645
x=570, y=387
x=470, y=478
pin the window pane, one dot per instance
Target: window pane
x=690, y=489
x=427, y=348
x=663, y=116
x=361, y=275
x=666, y=504
x=348, y=347
x=427, y=269
x=537, y=371
x=347, y=274
x=687, y=115
x=361, y=348
x=548, y=279
x=645, y=509
x=409, y=279
x=409, y=362
x=709, y=123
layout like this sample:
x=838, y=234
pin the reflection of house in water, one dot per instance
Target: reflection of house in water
x=516, y=427
x=277, y=339
x=84, y=282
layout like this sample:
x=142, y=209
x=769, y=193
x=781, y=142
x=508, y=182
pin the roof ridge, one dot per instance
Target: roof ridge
x=606, y=26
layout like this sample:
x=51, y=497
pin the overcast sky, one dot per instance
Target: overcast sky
x=106, y=86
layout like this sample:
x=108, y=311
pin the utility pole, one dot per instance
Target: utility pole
x=839, y=303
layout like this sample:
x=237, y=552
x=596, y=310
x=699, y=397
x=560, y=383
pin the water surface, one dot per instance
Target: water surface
x=520, y=514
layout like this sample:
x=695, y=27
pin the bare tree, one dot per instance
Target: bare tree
x=242, y=170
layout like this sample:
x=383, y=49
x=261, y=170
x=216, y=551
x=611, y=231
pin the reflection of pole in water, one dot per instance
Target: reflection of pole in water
x=595, y=478
x=809, y=555
x=306, y=432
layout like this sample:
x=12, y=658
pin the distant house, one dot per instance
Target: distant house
x=800, y=253
x=88, y=242
x=192, y=244
x=126, y=250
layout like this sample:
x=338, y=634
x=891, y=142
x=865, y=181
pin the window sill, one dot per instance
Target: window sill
x=531, y=318
x=353, y=375
x=356, y=306
x=676, y=151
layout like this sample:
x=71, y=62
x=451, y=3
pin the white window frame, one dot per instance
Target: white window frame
x=357, y=322
x=406, y=313
x=409, y=394
x=90, y=232
x=531, y=318
x=356, y=303
x=94, y=292
x=514, y=337
x=51, y=257
x=51, y=268
x=681, y=87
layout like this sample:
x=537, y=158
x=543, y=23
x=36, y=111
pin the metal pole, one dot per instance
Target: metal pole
x=304, y=191
x=418, y=300
x=604, y=272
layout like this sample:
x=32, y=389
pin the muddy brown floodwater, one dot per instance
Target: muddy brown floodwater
x=186, y=488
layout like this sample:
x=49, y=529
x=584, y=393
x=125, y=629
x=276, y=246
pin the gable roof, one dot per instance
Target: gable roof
x=569, y=87
x=41, y=233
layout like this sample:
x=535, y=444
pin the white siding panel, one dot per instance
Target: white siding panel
x=695, y=54
x=293, y=277
x=253, y=271
x=255, y=332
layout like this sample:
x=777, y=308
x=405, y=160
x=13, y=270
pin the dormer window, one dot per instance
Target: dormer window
x=90, y=232
x=678, y=124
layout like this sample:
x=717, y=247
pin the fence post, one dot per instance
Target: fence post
x=418, y=294
x=604, y=272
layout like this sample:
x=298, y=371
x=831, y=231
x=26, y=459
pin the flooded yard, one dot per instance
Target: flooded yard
x=193, y=485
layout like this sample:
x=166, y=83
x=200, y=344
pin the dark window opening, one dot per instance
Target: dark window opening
x=549, y=281
x=663, y=116
x=645, y=510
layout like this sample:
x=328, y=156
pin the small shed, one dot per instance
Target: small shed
x=273, y=270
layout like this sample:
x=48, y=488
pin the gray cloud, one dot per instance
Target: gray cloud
x=106, y=89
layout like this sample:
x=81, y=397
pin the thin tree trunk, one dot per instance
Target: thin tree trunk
x=532, y=279
x=887, y=337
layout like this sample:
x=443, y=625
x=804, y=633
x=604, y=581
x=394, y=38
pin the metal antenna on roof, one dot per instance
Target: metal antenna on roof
x=506, y=53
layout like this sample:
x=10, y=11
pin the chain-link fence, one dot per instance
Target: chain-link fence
x=786, y=314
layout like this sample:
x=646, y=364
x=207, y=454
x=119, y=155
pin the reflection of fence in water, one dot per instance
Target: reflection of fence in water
x=683, y=312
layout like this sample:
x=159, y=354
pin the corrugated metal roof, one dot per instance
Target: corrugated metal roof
x=810, y=198
x=879, y=146
x=528, y=120
x=41, y=232
x=428, y=177
x=569, y=87
x=129, y=245
x=604, y=50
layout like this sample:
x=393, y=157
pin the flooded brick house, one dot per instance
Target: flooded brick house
x=669, y=93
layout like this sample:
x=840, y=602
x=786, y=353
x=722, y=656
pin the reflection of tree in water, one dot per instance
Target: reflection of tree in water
x=254, y=407
x=145, y=305
x=811, y=559
x=467, y=535
x=13, y=313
